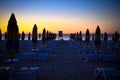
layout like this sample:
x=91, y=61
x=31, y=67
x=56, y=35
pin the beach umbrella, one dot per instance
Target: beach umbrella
x=113, y=37
x=97, y=37
x=23, y=36
x=87, y=37
x=70, y=35
x=105, y=36
x=102, y=36
x=50, y=35
x=93, y=37
x=74, y=36
x=77, y=36
x=44, y=36
x=47, y=35
x=39, y=35
x=5, y=35
x=116, y=37
x=0, y=35
x=12, y=44
x=19, y=36
x=80, y=36
x=54, y=36
x=34, y=36
x=29, y=34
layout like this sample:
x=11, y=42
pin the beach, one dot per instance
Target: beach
x=63, y=63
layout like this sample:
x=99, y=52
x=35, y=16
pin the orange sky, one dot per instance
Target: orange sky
x=54, y=24
x=67, y=15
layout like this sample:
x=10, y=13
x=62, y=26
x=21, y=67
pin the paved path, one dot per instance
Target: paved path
x=65, y=64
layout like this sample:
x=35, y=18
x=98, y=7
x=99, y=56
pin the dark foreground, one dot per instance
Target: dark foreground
x=63, y=63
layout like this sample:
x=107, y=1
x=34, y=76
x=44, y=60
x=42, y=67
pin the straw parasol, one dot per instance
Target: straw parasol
x=39, y=36
x=77, y=36
x=116, y=37
x=0, y=35
x=87, y=37
x=23, y=36
x=80, y=36
x=105, y=36
x=5, y=35
x=97, y=37
x=29, y=34
x=34, y=36
x=44, y=36
x=12, y=44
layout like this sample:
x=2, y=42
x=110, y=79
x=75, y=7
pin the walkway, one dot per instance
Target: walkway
x=65, y=64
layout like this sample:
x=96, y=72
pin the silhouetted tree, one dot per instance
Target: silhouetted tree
x=97, y=37
x=12, y=44
x=29, y=36
x=5, y=35
x=105, y=36
x=80, y=36
x=23, y=36
x=0, y=35
x=87, y=37
x=34, y=36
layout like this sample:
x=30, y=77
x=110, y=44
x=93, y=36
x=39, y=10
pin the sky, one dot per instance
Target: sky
x=67, y=15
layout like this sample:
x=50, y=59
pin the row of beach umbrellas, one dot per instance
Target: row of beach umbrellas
x=96, y=37
x=12, y=36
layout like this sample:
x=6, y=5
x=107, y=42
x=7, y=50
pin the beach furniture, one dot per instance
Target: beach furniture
x=23, y=56
x=23, y=73
x=109, y=58
x=106, y=74
x=11, y=60
x=76, y=46
x=89, y=57
x=50, y=47
x=4, y=75
x=41, y=56
x=28, y=73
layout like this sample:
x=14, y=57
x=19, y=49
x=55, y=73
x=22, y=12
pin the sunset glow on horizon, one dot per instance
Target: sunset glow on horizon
x=67, y=15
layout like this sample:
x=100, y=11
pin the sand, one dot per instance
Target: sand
x=64, y=62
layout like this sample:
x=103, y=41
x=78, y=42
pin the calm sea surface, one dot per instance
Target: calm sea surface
x=65, y=37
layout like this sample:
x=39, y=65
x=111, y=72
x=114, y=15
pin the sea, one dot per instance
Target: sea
x=65, y=37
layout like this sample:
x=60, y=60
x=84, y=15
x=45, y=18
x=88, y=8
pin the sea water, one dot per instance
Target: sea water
x=65, y=37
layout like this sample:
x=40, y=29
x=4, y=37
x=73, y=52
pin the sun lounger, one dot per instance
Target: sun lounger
x=4, y=75
x=106, y=74
x=23, y=56
x=108, y=58
x=88, y=57
x=12, y=60
x=28, y=73
x=42, y=56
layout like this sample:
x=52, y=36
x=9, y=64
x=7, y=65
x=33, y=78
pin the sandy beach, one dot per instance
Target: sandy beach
x=63, y=63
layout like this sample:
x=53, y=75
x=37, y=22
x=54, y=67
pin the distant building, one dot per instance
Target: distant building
x=60, y=35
